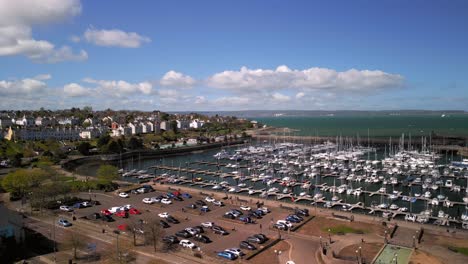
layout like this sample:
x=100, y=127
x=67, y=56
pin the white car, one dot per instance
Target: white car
x=66, y=208
x=147, y=201
x=192, y=231
x=164, y=215
x=207, y=224
x=290, y=262
x=141, y=190
x=236, y=251
x=126, y=207
x=210, y=199
x=166, y=201
x=187, y=243
x=115, y=209
x=284, y=222
x=124, y=195
x=218, y=203
x=264, y=209
x=86, y=204
x=245, y=208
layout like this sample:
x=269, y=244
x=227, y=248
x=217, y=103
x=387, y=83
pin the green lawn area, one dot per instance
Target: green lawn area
x=343, y=229
x=461, y=250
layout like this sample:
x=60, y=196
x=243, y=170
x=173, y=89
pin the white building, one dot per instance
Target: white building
x=183, y=124
x=48, y=133
x=121, y=131
x=196, y=123
x=69, y=121
x=25, y=121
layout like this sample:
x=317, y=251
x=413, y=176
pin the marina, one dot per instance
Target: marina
x=403, y=183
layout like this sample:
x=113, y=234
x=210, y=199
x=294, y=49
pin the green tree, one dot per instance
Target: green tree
x=21, y=181
x=103, y=140
x=84, y=148
x=107, y=173
x=114, y=147
x=173, y=125
x=135, y=143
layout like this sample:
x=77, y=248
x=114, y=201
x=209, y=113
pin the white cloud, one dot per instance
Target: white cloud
x=75, y=90
x=27, y=86
x=260, y=80
x=280, y=98
x=228, y=101
x=120, y=88
x=17, y=19
x=176, y=79
x=115, y=38
x=75, y=39
x=299, y=95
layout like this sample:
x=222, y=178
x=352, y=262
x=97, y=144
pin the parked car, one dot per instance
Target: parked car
x=227, y=255
x=200, y=203
x=280, y=226
x=87, y=204
x=93, y=216
x=183, y=233
x=170, y=239
x=164, y=215
x=199, y=229
x=134, y=211
x=204, y=209
x=114, y=209
x=245, y=208
x=156, y=199
x=229, y=216
x=303, y=212
x=172, y=220
x=285, y=222
x=292, y=219
x=210, y=199
x=264, y=209
x=219, y=230
x=236, y=212
x=66, y=208
x=202, y=238
x=192, y=231
x=64, y=222
x=78, y=205
x=166, y=201
x=236, y=251
x=123, y=214
x=296, y=217
x=218, y=203
x=247, y=245
x=164, y=224
x=187, y=244
x=186, y=195
x=147, y=200
x=107, y=218
x=257, y=238
x=105, y=212
x=124, y=195
x=256, y=215
x=177, y=198
x=246, y=219
x=207, y=224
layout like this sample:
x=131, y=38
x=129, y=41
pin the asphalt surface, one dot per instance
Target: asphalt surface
x=191, y=217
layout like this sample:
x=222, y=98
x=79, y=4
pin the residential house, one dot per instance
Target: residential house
x=183, y=124
x=5, y=122
x=196, y=123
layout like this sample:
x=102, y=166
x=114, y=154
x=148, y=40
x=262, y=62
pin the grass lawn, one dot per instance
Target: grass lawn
x=461, y=250
x=343, y=229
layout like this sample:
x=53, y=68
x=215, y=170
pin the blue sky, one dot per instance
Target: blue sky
x=234, y=55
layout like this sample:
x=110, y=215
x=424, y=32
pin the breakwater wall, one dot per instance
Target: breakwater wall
x=71, y=164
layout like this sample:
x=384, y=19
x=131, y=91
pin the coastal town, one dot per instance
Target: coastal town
x=247, y=132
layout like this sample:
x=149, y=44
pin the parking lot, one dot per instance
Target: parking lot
x=188, y=218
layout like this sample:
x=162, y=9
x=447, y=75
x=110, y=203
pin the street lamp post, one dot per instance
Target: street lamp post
x=357, y=257
x=329, y=236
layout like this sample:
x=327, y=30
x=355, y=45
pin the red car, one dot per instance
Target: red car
x=105, y=212
x=176, y=193
x=134, y=211
x=122, y=213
